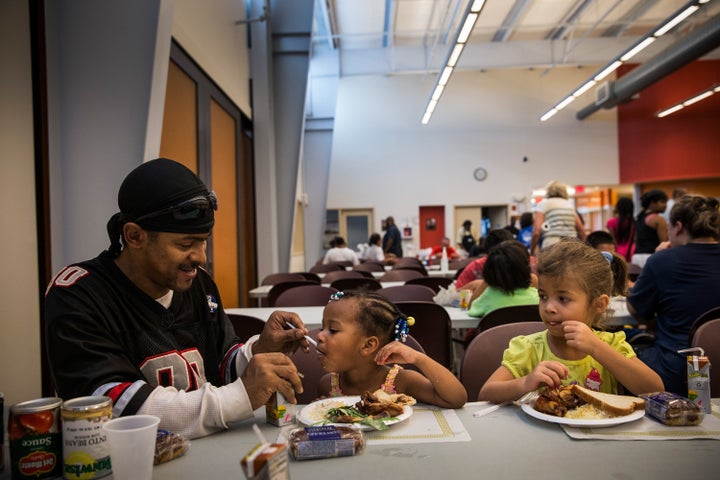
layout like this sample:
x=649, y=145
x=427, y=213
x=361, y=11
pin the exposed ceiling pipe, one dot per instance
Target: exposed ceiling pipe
x=688, y=48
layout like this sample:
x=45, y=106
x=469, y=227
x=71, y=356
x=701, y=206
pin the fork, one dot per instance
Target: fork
x=527, y=398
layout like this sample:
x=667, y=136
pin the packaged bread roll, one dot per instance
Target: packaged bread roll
x=325, y=442
x=672, y=409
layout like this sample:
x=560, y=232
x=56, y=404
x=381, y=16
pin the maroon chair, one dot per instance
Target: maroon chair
x=369, y=267
x=407, y=293
x=311, y=369
x=275, y=278
x=246, y=326
x=305, y=296
x=330, y=277
x=433, y=282
x=400, y=275
x=324, y=268
x=363, y=284
x=484, y=354
x=279, y=288
x=432, y=329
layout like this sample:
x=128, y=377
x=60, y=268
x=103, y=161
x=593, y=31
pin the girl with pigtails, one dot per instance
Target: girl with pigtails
x=362, y=346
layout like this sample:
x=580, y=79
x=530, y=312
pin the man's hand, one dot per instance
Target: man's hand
x=268, y=373
x=277, y=336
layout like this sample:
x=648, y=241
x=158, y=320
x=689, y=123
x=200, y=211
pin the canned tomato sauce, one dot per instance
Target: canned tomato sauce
x=86, y=454
x=35, y=439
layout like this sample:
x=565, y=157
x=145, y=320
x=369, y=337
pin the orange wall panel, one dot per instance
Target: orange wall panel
x=684, y=145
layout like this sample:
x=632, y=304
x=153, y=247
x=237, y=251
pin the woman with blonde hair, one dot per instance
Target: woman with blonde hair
x=555, y=218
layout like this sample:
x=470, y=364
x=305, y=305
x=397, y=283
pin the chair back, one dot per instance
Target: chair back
x=369, y=267
x=362, y=283
x=275, y=278
x=512, y=314
x=707, y=336
x=433, y=282
x=419, y=268
x=246, y=326
x=305, y=296
x=400, y=275
x=313, y=277
x=402, y=261
x=279, y=288
x=311, y=369
x=711, y=314
x=460, y=263
x=633, y=271
x=407, y=293
x=330, y=277
x=484, y=354
x=432, y=329
x=324, y=268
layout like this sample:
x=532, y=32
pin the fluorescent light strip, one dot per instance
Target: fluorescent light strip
x=686, y=103
x=679, y=18
x=472, y=13
x=627, y=55
x=638, y=48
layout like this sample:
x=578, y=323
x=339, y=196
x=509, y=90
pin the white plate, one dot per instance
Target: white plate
x=315, y=411
x=579, y=422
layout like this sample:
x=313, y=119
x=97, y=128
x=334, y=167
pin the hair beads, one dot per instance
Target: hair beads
x=402, y=328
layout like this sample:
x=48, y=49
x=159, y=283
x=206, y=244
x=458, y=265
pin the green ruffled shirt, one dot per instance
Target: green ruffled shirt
x=526, y=351
x=493, y=298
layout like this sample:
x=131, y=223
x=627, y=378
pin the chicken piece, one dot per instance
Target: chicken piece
x=546, y=404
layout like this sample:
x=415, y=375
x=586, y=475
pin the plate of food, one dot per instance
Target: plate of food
x=369, y=411
x=577, y=406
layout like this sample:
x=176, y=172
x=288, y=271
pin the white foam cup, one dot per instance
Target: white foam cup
x=132, y=446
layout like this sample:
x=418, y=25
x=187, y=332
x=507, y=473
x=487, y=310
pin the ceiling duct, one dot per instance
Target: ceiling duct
x=687, y=49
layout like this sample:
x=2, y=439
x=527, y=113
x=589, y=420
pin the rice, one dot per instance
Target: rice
x=587, y=412
x=319, y=409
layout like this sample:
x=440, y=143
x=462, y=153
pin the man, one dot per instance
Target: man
x=392, y=241
x=436, y=251
x=144, y=324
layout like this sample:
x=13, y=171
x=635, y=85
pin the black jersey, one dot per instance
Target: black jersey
x=106, y=336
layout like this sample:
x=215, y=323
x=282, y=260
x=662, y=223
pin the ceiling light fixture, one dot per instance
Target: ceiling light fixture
x=469, y=18
x=661, y=29
x=686, y=103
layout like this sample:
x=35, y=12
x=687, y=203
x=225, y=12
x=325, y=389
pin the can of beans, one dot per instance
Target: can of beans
x=86, y=454
x=35, y=439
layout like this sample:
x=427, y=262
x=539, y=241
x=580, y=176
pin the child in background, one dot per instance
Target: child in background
x=362, y=334
x=574, y=283
x=508, y=281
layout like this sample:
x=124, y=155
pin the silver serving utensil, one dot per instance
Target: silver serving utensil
x=310, y=340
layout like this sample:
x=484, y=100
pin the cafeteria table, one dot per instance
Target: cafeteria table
x=312, y=316
x=506, y=444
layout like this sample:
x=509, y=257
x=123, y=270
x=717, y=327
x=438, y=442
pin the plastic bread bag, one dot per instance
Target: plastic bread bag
x=169, y=445
x=326, y=441
x=672, y=409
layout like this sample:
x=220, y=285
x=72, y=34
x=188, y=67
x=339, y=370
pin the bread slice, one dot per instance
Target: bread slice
x=618, y=405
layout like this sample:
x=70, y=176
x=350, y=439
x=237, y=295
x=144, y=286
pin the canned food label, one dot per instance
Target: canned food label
x=86, y=454
x=35, y=442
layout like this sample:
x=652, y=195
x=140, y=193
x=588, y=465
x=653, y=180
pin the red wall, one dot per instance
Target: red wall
x=684, y=145
x=430, y=238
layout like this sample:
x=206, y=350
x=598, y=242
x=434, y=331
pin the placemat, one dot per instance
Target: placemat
x=426, y=425
x=647, y=428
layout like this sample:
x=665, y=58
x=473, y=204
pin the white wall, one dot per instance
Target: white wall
x=207, y=31
x=485, y=119
x=19, y=287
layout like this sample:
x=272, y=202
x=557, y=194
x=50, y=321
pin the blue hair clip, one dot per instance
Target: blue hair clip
x=402, y=328
x=336, y=296
x=608, y=256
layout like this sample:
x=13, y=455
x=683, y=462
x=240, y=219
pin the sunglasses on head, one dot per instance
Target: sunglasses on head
x=192, y=208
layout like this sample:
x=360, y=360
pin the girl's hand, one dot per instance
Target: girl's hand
x=580, y=336
x=396, y=352
x=548, y=372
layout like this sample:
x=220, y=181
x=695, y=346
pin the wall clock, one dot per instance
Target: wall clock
x=480, y=174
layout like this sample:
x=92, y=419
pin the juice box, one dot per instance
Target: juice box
x=278, y=411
